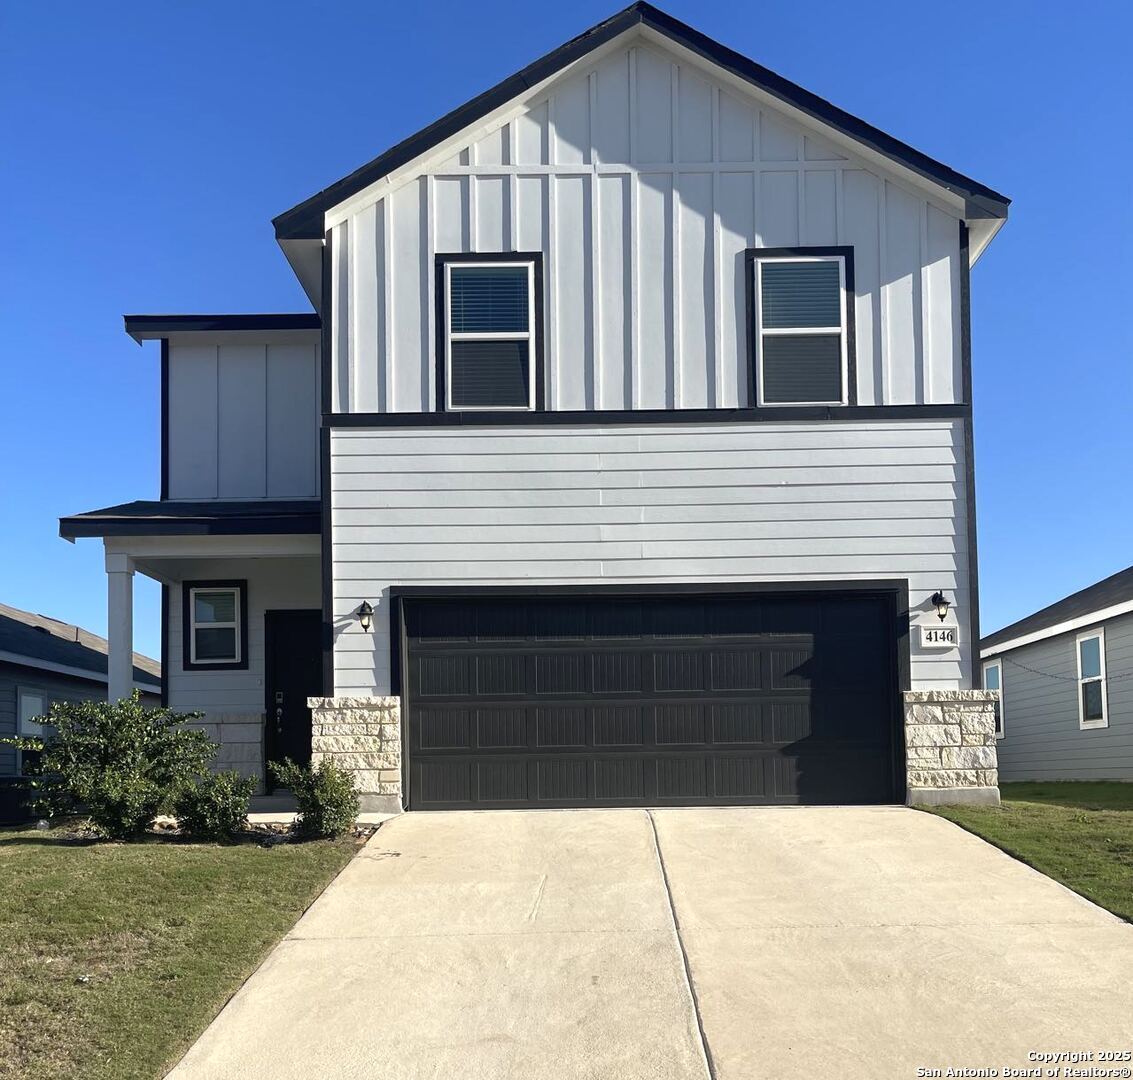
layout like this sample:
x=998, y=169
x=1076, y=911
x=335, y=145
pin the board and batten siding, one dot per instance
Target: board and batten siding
x=790, y=502
x=1042, y=738
x=243, y=420
x=642, y=180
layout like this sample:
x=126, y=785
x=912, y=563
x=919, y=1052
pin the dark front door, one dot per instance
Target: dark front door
x=651, y=700
x=292, y=641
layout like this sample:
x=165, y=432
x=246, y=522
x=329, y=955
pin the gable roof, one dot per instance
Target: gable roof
x=1091, y=605
x=42, y=642
x=305, y=221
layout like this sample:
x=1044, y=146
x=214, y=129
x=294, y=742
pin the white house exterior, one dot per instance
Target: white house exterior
x=622, y=458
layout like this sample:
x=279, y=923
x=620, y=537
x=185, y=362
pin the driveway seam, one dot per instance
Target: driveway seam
x=709, y=1064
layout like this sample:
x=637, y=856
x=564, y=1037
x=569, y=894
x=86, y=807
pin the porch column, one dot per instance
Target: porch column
x=120, y=625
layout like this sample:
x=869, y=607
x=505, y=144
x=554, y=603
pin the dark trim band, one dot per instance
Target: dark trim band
x=164, y=482
x=566, y=418
x=156, y=325
x=326, y=546
x=970, y=457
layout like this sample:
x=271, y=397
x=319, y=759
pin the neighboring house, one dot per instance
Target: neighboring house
x=625, y=459
x=43, y=660
x=1065, y=677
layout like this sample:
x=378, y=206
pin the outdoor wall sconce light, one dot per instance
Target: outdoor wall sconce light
x=939, y=601
x=366, y=615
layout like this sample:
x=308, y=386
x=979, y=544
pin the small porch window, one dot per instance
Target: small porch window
x=1093, y=706
x=215, y=625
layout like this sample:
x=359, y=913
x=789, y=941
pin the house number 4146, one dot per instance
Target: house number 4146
x=939, y=637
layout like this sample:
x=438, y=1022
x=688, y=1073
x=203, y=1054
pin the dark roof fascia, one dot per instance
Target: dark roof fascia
x=305, y=221
x=1107, y=593
x=193, y=519
x=158, y=325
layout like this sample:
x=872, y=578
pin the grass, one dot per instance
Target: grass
x=114, y=957
x=1078, y=832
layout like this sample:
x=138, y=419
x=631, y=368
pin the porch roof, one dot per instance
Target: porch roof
x=229, y=517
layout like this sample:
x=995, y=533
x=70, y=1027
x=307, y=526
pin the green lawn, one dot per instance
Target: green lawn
x=114, y=957
x=1079, y=833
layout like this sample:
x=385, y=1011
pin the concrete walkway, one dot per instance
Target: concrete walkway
x=722, y=943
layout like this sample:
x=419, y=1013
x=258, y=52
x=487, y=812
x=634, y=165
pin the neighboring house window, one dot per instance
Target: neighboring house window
x=32, y=709
x=491, y=333
x=215, y=625
x=1092, y=698
x=801, y=304
x=993, y=680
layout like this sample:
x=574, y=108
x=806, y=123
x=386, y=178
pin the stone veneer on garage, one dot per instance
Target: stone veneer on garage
x=363, y=735
x=950, y=747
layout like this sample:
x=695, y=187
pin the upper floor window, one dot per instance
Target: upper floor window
x=802, y=325
x=993, y=680
x=1093, y=706
x=492, y=340
x=214, y=625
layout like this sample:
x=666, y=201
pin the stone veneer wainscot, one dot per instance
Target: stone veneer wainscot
x=950, y=747
x=362, y=735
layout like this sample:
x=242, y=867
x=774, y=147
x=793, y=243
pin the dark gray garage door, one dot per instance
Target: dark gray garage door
x=624, y=701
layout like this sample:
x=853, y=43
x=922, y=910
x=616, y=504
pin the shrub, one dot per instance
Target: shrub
x=121, y=763
x=328, y=803
x=216, y=808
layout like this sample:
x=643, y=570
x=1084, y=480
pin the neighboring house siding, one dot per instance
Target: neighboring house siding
x=279, y=583
x=243, y=420
x=667, y=503
x=1042, y=738
x=642, y=179
x=53, y=686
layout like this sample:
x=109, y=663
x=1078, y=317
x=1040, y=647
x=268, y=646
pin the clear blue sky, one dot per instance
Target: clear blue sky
x=147, y=146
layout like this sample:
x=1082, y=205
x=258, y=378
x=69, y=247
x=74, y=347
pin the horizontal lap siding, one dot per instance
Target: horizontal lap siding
x=642, y=180
x=1043, y=740
x=52, y=685
x=667, y=504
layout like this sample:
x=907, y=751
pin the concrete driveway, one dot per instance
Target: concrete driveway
x=719, y=943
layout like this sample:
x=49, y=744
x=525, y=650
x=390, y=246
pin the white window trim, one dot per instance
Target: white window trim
x=512, y=335
x=790, y=331
x=45, y=705
x=998, y=665
x=1083, y=723
x=194, y=625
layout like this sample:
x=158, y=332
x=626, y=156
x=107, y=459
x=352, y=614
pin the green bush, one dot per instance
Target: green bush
x=216, y=808
x=328, y=803
x=121, y=764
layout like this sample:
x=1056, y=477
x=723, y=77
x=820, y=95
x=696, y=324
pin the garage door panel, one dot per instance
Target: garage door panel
x=634, y=701
x=617, y=725
x=501, y=728
x=739, y=724
x=444, y=728
x=562, y=725
x=678, y=670
x=736, y=669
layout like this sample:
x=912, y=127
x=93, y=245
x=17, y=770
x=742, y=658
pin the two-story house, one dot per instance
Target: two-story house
x=625, y=459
